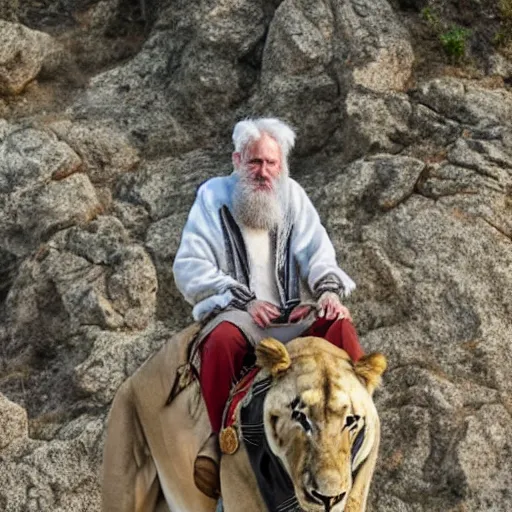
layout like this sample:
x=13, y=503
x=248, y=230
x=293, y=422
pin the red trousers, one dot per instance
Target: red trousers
x=224, y=349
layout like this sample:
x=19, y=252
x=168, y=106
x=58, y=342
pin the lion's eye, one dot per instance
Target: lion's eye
x=302, y=419
x=351, y=421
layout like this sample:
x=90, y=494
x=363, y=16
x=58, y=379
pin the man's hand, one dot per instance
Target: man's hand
x=263, y=312
x=299, y=312
x=330, y=307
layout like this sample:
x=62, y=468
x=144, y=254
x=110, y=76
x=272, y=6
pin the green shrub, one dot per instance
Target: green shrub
x=453, y=38
x=454, y=41
x=431, y=17
x=504, y=35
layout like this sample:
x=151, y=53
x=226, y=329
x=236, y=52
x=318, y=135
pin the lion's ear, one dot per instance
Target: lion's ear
x=370, y=368
x=272, y=354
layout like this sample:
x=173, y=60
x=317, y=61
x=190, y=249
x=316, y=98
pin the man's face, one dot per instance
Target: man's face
x=261, y=161
x=259, y=192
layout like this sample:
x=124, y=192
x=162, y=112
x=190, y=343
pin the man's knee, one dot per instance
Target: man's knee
x=226, y=339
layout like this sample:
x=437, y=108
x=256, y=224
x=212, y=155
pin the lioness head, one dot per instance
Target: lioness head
x=319, y=416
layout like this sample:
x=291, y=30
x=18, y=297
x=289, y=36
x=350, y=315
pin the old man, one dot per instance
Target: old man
x=255, y=261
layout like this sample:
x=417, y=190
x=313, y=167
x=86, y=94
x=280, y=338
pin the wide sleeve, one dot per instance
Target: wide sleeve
x=313, y=250
x=196, y=268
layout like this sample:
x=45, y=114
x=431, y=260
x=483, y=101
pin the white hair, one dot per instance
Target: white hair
x=251, y=130
x=264, y=209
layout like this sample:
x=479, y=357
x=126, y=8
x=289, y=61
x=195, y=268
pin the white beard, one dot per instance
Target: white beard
x=259, y=209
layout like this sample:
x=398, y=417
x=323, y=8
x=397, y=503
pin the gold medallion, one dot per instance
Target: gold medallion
x=228, y=440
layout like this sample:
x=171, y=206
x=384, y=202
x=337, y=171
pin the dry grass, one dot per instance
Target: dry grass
x=503, y=38
x=506, y=9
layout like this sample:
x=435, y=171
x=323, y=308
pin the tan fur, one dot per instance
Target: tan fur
x=273, y=355
x=151, y=446
x=370, y=368
x=330, y=388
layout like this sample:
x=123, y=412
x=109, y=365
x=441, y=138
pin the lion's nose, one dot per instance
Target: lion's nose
x=328, y=501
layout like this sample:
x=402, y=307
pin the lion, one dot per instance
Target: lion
x=318, y=423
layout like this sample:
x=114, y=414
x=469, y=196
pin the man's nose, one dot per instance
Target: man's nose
x=263, y=170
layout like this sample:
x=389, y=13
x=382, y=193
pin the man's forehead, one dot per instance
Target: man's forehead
x=265, y=143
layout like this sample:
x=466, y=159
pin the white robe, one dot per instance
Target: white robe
x=201, y=268
x=261, y=264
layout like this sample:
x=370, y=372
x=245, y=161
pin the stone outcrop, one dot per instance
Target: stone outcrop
x=105, y=154
x=13, y=422
x=91, y=276
x=411, y=175
x=22, y=55
x=38, y=475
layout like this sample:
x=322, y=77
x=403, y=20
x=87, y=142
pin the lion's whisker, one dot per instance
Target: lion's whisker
x=292, y=500
x=289, y=505
x=248, y=441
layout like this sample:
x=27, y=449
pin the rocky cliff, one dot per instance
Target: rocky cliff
x=112, y=112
